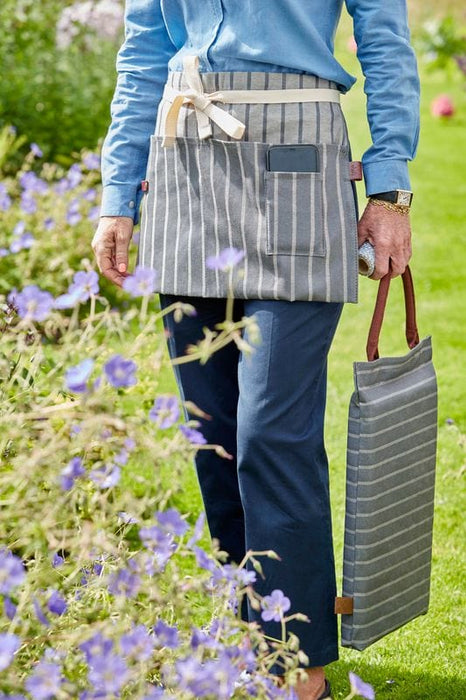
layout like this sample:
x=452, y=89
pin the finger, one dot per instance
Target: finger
x=397, y=266
x=109, y=271
x=121, y=252
x=363, y=234
x=382, y=260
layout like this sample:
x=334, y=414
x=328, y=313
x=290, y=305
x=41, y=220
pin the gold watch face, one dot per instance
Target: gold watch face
x=404, y=198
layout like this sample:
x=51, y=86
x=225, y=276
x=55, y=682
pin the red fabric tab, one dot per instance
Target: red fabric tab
x=355, y=169
x=144, y=185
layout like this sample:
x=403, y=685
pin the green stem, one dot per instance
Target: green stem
x=144, y=305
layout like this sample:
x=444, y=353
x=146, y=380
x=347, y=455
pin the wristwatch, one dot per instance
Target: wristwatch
x=400, y=197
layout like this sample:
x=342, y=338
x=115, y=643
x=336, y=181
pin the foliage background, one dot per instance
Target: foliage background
x=62, y=103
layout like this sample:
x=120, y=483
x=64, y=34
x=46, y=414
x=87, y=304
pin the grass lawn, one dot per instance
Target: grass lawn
x=425, y=659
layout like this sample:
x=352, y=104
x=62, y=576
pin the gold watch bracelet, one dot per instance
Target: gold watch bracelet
x=391, y=206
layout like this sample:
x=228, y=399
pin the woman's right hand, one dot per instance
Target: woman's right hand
x=110, y=245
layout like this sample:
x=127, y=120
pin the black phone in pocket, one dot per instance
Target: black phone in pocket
x=300, y=157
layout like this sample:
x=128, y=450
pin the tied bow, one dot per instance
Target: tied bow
x=205, y=110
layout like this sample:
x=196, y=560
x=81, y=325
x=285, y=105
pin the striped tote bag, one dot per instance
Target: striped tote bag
x=390, y=481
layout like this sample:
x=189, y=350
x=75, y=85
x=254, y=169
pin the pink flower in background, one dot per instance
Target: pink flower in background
x=104, y=17
x=351, y=44
x=442, y=106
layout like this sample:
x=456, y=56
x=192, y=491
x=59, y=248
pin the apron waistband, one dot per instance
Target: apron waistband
x=206, y=110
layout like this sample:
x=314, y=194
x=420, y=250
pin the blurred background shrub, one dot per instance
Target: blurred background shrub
x=58, y=71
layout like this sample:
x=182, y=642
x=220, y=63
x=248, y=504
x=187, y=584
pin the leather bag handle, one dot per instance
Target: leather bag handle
x=412, y=335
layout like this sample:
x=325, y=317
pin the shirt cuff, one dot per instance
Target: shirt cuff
x=121, y=200
x=385, y=176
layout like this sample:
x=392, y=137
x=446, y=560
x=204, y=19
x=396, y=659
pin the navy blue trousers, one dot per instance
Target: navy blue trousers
x=268, y=411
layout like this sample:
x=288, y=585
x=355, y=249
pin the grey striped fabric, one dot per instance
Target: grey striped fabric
x=298, y=230
x=389, y=494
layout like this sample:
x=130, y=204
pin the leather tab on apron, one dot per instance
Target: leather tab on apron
x=343, y=605
x=355, y=170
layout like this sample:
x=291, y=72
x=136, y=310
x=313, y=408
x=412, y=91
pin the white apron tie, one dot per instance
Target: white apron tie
x=206, y=111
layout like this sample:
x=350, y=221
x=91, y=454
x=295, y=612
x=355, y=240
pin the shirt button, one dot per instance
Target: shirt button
x=131, y=205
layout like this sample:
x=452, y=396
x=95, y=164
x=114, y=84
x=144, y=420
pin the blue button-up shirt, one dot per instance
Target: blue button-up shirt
x=260, y=35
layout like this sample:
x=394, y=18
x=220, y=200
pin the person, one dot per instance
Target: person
x=267, y=410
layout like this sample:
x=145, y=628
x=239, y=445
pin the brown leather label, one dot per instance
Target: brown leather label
x=343, y=605
x=355, y=170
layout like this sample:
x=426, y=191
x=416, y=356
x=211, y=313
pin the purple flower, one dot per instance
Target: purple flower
x=45, y=681
x=203, y=559
x=19, y=228
x=93, y=213
x=56, y=603
x=190, y=672
x=57, y=560
x=73, y=216
x=172, y=522
x=227, y=259
x=12, y=572
x=129, y=443
x=77, y=376
x=138, y=644
x=236, y=575
x=32, y=302
x=166, y=636
x=108, y=673
x=39, y=612
x=75, y=429
x=193, y=435
x=26, y=240
x=141, y=282
x=122, y=457
x=165, y=411
x=9, y=645
x=154, y=538
x=200, y=638
x=91, y=161
x=4, y=252
x=30, y=182
x=5, y=199
x=84, y=284
x=127, y=518
x=198, y=529
x=96, y=647
x=68, y=300
x=120, y=372
x=274, y=605
x=155, y=693
x=28, y=203
x=106, y=476
x=35, y=150
x=360, y=688
x=9, y=608
x=74, y=176
x=49, y=223
x=90, y=194
x=124, y=582
x=214, y=677
x=62, y=186
x=72, y=471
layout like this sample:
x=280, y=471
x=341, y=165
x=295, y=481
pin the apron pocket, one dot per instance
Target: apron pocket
x=294, y=213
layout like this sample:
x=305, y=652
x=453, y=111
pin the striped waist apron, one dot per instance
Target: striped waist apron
x=207, y=188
